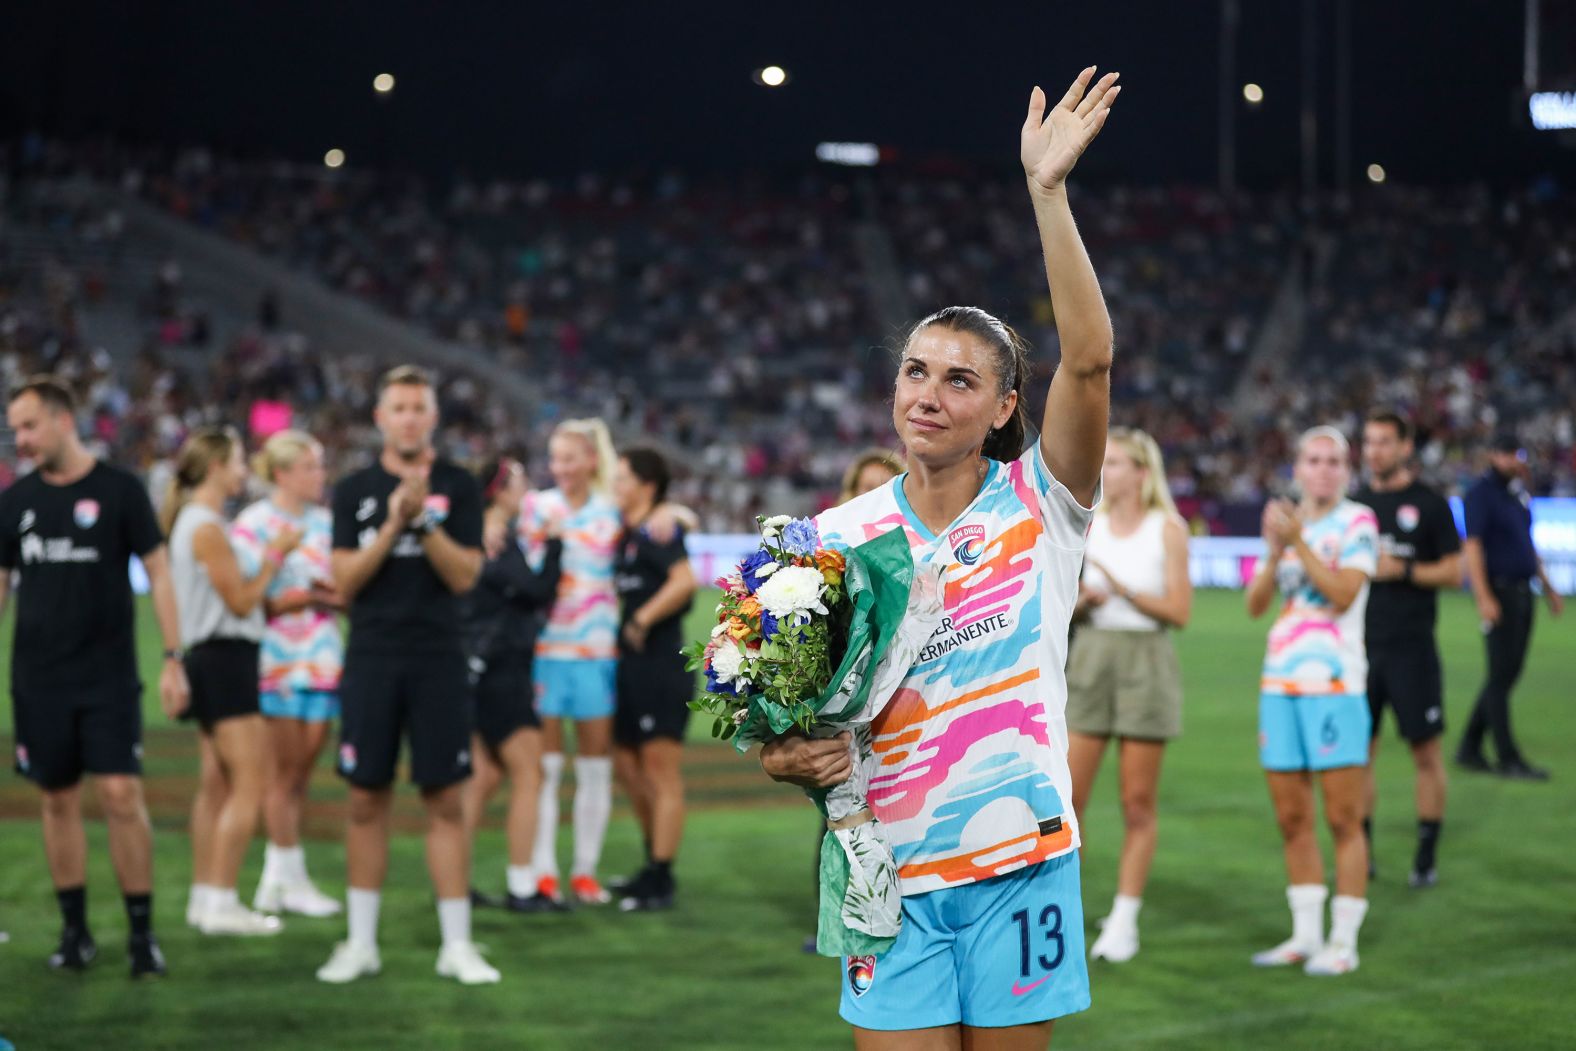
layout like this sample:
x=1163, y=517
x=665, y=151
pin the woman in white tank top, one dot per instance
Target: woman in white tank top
x=221, y=620
x=1123, y=679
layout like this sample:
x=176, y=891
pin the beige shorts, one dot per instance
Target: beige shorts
x=1124, y=684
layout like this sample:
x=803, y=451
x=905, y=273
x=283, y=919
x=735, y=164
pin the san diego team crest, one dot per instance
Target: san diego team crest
x=85, y=513
x=861, y=974
x=436, y=506
x=1406, y=517
x=968, y=543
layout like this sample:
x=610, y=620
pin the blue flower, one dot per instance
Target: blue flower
x=800, y=537
x=768, y=625
x=713, y=686
x=748, y=567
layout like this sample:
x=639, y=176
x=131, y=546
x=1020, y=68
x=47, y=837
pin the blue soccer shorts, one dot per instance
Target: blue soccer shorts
x=1003, y=951
x=575, y=689
x=1321, y=731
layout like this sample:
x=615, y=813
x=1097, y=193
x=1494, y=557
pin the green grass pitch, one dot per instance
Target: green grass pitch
x=1485, y=960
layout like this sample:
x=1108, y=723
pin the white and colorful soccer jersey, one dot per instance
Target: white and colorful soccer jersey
x=1312, y=648
x=301, y=651
x=583, y=623
x=970, y=769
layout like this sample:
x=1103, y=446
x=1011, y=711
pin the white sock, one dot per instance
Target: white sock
x=362, y=909
x=1307, y=912
x=521, y=880
x=454, y=919
x=201, y=896
x=292, y=864
x=593, y=808
x=1346, y=919
x=273, y=867
x=544, y=857
x=223, y=898
x=1124, y=911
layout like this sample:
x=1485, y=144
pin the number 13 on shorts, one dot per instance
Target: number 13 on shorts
x=1035, y=967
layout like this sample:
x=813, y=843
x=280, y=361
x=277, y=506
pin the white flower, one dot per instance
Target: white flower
x=762, y=572
x=793, y=593
x=776, y=522
x=769, y=534
x=740, y=715
x=720, y=629
x=727, y=662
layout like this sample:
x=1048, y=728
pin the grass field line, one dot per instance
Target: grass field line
x=1327, y=1002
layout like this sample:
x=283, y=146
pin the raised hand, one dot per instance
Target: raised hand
x=286, y=541
x=1052, y=143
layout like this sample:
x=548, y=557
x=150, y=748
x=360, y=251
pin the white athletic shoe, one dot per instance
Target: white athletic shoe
x=194, y=912
x=304, y=899
x=1331, y=960
x=349, y=962
x=235, y=918
x=1117, y=943
x=1286, y=954
x=463, y=961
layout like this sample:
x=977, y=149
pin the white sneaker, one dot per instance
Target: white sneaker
x=1117, y=943
x=194, y=911
x=349, y=962
x=306, y=900
x=270, y=895
x=1285, y=954
x=235, y=918
x=1331, y=960
x=463, y=961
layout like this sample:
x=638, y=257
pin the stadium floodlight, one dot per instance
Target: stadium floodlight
x=1376, y=173
x=772, y=76
x=1253, y=93
x=334, y=158
x=854, y=154
x=1552, y=110
x=383, y=83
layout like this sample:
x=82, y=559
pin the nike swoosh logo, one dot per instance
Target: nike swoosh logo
x=1018, y=988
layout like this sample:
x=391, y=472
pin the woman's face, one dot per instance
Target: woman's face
x=1322, y=470
x=1121, y=477
x=946, y=399
x=512, y=491
x=306, y=478
x=571, y=462
x=232, y=471
x=872, y=475
x=630, y=493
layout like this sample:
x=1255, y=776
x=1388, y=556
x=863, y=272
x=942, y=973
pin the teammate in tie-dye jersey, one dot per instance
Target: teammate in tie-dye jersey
x=1313, y=699
x=301, y=657
x=577, y=652
x=969, y=773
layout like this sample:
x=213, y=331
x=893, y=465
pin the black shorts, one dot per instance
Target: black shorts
x=384, y=696
x=654, y=692
x=1405, y=676
x=63, y=734
x=223, y=677
x=504, y=698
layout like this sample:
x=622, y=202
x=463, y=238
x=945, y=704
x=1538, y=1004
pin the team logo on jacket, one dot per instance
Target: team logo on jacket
x=968, y=543
x=347, y=757
x=861, y=974
x=1407, y=517
x=436, y=507
x=28, y=518
x=21, y=758
x=86, y=513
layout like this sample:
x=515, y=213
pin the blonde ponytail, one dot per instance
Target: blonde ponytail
x=203, y=448
x=594, y=433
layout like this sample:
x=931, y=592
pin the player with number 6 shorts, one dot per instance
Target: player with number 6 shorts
x=969, y=769
x=1313, y=705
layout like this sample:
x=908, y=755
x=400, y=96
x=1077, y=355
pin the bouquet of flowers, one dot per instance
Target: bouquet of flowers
x=817, y=639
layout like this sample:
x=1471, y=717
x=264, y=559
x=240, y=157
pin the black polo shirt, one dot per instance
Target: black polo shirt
x=1499, y=516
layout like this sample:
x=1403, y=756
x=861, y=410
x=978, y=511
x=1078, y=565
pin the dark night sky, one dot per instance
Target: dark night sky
x=512, y=88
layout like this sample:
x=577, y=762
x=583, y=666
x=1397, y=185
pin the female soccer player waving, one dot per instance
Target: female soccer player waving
x=970, y=754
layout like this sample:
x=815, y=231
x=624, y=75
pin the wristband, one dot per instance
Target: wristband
x=174, y=655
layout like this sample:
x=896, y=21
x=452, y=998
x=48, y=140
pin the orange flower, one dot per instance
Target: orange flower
x=831, y=564
x=738, y=629
x=750, y=607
